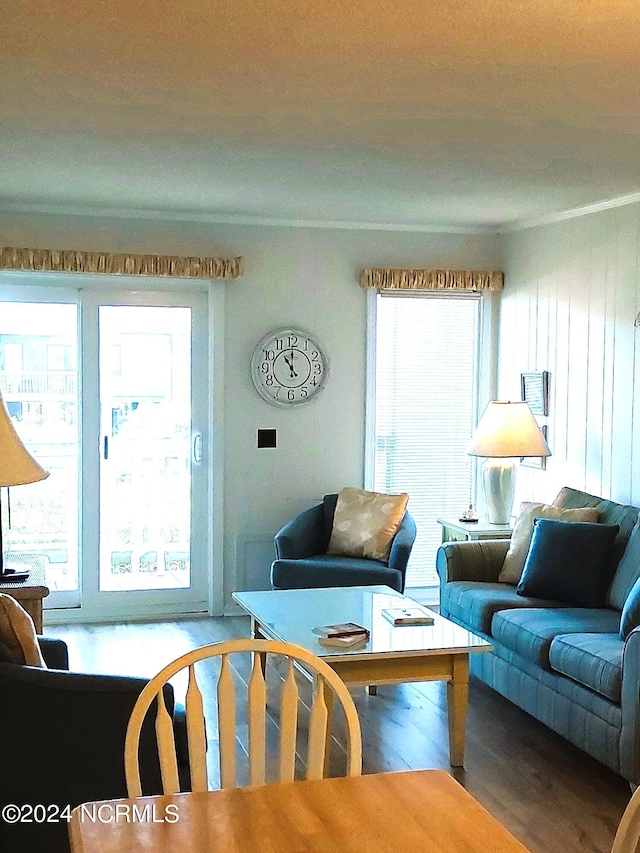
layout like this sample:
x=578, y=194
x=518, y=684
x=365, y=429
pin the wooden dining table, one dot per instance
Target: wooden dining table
x=407, y=812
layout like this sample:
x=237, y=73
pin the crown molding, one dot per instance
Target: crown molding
x=219, y=218
x=571, y=213
x=167, y=215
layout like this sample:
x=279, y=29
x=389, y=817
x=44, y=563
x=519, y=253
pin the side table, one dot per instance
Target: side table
x=454, y=530
x=30, y=594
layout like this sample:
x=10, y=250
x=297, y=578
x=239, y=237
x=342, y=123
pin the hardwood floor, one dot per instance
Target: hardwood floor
x=552, y=796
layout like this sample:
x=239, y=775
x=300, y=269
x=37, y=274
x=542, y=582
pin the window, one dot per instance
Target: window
x=426, y=392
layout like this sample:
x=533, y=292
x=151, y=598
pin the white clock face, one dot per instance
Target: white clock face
x=289, y=367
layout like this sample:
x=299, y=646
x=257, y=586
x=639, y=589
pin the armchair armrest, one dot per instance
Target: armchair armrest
x=301, y=537
x=402, y=545
x=477, y=560
x=54, y=652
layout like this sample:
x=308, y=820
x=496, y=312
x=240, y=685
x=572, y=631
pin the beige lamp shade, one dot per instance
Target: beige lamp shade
x=17, y=465
x=507, y=430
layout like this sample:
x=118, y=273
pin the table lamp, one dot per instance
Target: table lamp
x=17, y=467
x=505, y=431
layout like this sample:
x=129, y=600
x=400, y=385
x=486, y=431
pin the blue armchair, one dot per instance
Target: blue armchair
x=62, y=743
x=302, y=561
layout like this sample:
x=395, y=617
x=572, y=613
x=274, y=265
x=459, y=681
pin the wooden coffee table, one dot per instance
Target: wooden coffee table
x=393, y=655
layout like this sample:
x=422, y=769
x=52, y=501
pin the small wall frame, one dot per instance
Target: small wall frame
x=535, y=391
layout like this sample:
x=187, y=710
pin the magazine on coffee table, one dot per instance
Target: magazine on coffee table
x=408, y=616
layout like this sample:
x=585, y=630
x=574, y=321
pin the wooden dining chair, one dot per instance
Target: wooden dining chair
x=628, y=833
x=327, y=686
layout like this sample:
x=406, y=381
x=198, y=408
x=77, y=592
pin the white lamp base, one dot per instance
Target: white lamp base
x=499, y=484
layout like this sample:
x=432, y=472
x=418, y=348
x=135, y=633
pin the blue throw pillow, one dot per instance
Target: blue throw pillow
x=568, y=561
x=630, y=618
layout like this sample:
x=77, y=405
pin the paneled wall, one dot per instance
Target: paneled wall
x=569, y=305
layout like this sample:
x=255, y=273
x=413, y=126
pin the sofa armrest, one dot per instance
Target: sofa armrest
x=477, y=560
x=301, y=537
x=54, y=652
x=630, y=701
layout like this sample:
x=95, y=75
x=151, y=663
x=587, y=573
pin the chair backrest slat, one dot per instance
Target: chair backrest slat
x=318, y=725
x=328, y=686
x=257, y=722
x=196, y=736
x=166, y=748
x=227, y=725
x=288, y=725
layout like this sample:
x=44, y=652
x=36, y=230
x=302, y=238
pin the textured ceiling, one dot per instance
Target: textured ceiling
x=409, y=113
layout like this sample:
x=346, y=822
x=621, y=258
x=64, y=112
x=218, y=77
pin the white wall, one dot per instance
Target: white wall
x=301, y=277
x=569, y=305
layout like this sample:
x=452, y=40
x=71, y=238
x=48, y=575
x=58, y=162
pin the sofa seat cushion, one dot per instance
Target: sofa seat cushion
x=594, y=660
x=325, y=570
x=577, y=694
x=473, y=604
x=530, y=632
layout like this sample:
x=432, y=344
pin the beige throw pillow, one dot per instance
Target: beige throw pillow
x=18, y=633
x=523, y=531
x=365, y=523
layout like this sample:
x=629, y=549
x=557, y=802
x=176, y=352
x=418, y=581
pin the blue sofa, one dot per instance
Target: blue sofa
x=566, y=666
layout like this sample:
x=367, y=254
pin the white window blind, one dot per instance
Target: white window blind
x=426, y=388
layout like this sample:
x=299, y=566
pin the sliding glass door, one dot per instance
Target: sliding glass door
x=103, y=393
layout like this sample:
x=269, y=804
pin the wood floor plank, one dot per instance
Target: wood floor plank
x=552, y=796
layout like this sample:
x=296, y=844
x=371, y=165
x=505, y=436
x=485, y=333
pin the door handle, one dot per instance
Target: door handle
x=106, y=447
x=196, y=448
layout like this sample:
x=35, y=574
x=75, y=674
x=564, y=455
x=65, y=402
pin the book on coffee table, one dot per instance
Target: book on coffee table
x=343, y=629
x=351, y=641
x=408, y=616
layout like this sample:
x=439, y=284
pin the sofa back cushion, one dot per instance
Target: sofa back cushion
x=628, y=570
x=626, y=517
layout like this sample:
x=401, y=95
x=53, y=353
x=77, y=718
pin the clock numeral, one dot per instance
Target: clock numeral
x=265, y=367
x=269, y=354
x=268, y=380
x=279, y=343
x=306, y=344
x=293, y=340
x=314, y=381
x=291, y=394
x=317, y=369
x=314, y=355
x=277, y=394
x=303, y=393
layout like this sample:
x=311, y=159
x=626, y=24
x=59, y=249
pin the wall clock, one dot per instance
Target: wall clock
x=289, y=367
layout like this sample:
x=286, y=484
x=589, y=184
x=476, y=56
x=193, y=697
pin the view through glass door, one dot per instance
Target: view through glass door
x=146, y=434
x=39, y=384
x=120, y=526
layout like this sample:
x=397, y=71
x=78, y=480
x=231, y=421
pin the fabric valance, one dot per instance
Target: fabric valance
x=67, y=260
x=410, y=279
